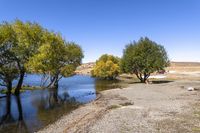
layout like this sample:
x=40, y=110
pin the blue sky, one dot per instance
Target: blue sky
x=106, y=26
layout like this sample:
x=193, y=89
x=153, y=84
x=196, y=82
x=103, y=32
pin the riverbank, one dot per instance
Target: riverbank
x=164, y=107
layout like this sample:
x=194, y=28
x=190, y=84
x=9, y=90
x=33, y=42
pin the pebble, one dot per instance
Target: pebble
x=190, y=89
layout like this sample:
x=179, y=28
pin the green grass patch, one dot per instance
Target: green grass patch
x=126, y=104
x=114, y=107
x=24, y=88
x=31, y=88
x=197, y=115
x=196, y=129
x=4, y=91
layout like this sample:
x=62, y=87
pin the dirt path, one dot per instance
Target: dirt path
x=162, y=108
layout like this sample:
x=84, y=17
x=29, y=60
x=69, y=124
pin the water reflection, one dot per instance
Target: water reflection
x=8, y=120
x=32, y=110
x=102, y=85
x=7, y=117
x=46, y=108
x=21, y=125
x=52, y=105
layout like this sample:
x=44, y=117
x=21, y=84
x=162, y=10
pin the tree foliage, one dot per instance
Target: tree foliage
x=8, y=70
x=28, y=47
x=107, y=67
x=56, y=58
x=29, y=38
x=143, y=58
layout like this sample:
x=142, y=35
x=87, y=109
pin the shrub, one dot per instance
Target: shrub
x=107, y=67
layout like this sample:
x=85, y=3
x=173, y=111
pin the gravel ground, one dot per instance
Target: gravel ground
x=155, y=108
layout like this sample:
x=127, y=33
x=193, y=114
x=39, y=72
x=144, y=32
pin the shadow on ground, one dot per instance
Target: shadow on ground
x=162, y=82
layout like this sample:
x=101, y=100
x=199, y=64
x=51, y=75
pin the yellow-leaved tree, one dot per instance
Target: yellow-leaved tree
x=106, y=67
x=56, y=59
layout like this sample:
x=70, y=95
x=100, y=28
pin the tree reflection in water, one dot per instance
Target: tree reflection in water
x=33, y=110
x=54, y=105
x=50, y=106
x=101, y=84
x=7, y=117
x=7, y=120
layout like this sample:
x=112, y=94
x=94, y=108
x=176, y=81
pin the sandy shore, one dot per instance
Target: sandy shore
x=164, y=108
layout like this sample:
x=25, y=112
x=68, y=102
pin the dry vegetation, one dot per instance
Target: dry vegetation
x=184, y=71
x=85, y=68
x=184, y=67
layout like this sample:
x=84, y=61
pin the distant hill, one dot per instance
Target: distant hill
x=85, y=68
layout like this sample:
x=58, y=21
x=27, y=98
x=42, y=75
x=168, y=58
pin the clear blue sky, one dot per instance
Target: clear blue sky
x=106, y=26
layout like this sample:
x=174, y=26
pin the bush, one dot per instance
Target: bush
x=107, y=67
x=143, y=58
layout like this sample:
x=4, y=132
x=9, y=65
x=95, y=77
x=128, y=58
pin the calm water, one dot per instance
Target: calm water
x=33, y=110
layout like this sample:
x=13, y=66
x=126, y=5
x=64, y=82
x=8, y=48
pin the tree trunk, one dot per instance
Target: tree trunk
x=8, y=100
x=20, y=82
x=53, y=82
x=9, y=87
x=19, y=106
x=139, y=76
x=144, y=78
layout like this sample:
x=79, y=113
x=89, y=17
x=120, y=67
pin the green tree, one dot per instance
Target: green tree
x=27, y=47
x=143, y=58
x=107, y=67
x=56, y=59
x=18, y=42
x=29, y=37
x=8, y=70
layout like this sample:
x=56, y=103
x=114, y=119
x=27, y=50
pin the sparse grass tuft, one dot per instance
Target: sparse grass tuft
x=114, y=107
x=196, y=129
x=126, y=104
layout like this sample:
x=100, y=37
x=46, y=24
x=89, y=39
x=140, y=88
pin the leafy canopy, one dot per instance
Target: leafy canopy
x=56, y=58
x=18, y=42
x=28, y=47
x=143, y=58
x=29, y=38
x=107, y=67
x=8, y=69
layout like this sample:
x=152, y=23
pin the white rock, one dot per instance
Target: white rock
x=190, y=89
x=157, y=77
